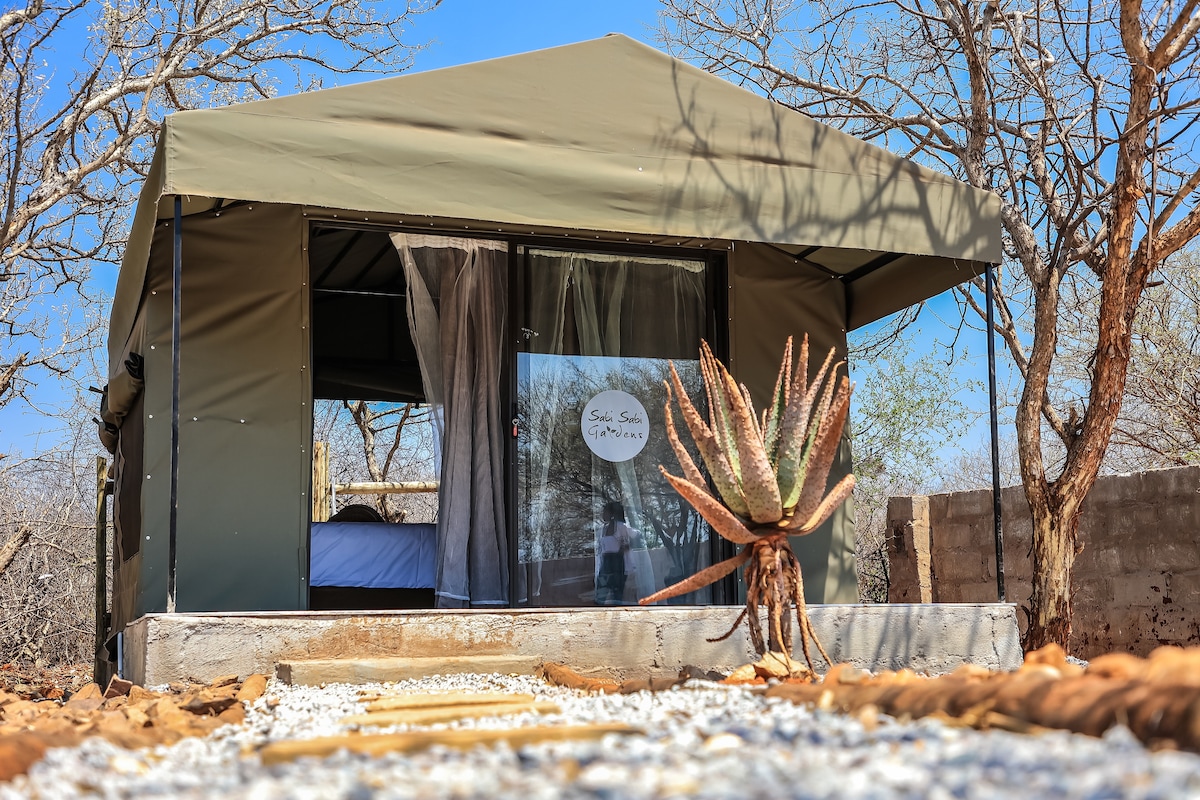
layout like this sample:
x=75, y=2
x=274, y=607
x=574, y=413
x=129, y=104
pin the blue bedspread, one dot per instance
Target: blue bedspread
x=373, y=555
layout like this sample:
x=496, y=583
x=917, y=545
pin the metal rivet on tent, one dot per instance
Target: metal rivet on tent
x=147, y=538
x=195, y=419
x=151, y=347
x=242, y=421
x=151, y=416
x=147, y=477
x=154, y=292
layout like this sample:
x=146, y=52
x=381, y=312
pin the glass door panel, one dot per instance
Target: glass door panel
x=597, y=524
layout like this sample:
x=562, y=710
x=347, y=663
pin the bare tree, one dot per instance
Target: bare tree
x=383, y=428
x=83, y=88
x=1080, y=116
x=1159, y=424
x=373, y=441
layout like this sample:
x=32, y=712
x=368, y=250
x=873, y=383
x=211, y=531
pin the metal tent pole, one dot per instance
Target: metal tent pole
x=995, y=425
x=176, y=297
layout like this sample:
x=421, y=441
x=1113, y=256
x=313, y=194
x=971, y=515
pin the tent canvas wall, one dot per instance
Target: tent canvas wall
x=607, y=142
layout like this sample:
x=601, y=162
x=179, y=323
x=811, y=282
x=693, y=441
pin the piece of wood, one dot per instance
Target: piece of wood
x=412, y=741
x=349, y=669
x=322, y=502
x=386, y=487
x=441, y=700
x=562, y=675
x=252, y=688
x=430, y=716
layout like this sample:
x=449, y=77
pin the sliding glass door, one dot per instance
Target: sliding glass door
x=596, y=523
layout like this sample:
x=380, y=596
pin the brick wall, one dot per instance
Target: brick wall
x=1136, y=583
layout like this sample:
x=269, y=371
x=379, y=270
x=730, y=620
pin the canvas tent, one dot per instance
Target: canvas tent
x=606, y=147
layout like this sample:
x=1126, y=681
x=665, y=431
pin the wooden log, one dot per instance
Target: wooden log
x=430, y=716
x=441, y=700
x=412, y=741
x=387, y=487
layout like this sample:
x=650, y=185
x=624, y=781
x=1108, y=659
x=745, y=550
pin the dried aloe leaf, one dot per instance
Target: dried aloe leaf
x=772, y=415
x=796, y=436
x=690, y=470
x=759, y=486
x=837, y=495
x=749, y=403
x=722, y=520
x=714, y=458
x=701, y=579
x=720, y=407
x=828, y=438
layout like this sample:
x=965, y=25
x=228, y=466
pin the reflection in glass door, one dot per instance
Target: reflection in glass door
x=596, y=522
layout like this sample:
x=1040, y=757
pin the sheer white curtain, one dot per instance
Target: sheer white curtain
x=457, y=297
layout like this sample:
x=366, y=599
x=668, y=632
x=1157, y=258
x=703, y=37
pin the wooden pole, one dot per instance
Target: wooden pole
x=103, y=488
x=407, y=487
x=322, y=505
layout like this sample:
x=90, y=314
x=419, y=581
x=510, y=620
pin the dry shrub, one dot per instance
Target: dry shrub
x=47, y=591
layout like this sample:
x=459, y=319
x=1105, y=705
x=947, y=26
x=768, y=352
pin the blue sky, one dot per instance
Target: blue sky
x=472, y=30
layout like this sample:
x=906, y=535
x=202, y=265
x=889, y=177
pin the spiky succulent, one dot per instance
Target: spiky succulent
x=770, y=475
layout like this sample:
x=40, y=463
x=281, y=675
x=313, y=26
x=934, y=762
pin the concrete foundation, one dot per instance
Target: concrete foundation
x=620, y=642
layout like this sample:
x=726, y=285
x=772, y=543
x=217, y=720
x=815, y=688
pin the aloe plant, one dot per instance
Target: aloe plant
x=769, y=473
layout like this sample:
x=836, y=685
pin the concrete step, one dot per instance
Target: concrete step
x=610, y=642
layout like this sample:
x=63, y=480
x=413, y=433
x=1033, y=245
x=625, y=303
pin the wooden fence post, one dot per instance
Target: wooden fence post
x=322, y=505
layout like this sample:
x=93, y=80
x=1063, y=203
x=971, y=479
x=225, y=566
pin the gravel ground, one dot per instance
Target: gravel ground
x=701, y=740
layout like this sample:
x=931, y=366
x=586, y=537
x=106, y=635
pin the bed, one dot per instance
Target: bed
x=372, y=565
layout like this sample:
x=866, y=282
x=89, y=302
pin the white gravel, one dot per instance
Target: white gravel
x=700, y=740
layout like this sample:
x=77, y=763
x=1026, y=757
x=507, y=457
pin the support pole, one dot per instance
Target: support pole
x=321, y=501
x=176, y=298
x=103, y=488
x=993, y=414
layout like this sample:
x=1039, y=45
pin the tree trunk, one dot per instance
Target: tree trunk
x=9, y=551
x=1055, y=535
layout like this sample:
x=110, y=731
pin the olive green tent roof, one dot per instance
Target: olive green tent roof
x=607, y=135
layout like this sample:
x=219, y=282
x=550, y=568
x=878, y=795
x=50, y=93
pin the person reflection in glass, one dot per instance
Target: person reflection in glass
x=616, y=538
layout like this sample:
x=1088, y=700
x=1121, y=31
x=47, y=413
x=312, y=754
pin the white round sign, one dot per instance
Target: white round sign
x=615, y=425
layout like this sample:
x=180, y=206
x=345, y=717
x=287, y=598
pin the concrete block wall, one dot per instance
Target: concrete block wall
x=1136, y=582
